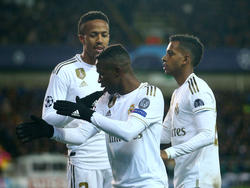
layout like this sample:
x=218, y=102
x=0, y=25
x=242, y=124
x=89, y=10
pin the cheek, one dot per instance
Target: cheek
x=106, y=42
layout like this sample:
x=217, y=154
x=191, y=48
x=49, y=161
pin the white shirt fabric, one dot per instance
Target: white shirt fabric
x=134, y=125
x=190, y=126
x=69, y=79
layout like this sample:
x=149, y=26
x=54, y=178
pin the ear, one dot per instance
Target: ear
x=81, y=38
x=187, y=59
x=117, y=71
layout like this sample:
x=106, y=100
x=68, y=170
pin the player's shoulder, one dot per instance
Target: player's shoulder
x=64, y=65
x=149, y=90
x=196, y=85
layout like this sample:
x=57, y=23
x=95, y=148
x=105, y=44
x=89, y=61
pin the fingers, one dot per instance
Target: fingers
x=35, y=118
x=78, y=99
x=24, y=132
x=63, y=105
x=63, y=112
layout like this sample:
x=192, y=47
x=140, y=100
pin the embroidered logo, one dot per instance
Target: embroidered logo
x=198, y=102
x=144, y=103
x=80, y=73
x=49, y=101
x=131, y=108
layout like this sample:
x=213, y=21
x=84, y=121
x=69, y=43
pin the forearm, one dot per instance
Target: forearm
x=166, y=135
x=75, y=136
x=126, y=130
x=205, y=125
x=202, y=139
x=56, y=120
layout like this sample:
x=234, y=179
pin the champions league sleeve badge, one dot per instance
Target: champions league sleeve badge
x=198, y=102
x=48, y=101
x=144, y=103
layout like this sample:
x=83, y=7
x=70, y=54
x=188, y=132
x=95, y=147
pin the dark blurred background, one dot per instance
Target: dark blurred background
x=35, y=35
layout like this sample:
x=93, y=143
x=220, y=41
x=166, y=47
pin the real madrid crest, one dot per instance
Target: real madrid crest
x=131, y=108
x=80, y=73
x=176, y=109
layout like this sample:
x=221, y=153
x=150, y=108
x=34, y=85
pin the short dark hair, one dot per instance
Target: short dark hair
x=115, y=54
x=91, y=15
x=192, y=44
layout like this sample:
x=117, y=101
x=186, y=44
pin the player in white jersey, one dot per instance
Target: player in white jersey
x=88, y=164
x=190, y=124
x=131, y=113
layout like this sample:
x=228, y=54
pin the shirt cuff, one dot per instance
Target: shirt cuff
x=170, y=152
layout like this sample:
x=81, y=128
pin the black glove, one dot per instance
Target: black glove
x=90, y=99
x=76, y=110
x=38, y=128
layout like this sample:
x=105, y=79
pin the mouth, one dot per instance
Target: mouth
x=99, y=49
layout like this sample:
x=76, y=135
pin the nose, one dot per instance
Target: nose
x=99, y=38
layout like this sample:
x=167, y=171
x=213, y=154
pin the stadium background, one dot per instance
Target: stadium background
x=35, y=35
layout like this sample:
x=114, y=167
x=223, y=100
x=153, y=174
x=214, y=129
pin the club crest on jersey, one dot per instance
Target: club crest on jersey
x=176, y=109
x=144, y=103
x=80, y=73
x=131, y=108
x=198, y=102
x=48, y=101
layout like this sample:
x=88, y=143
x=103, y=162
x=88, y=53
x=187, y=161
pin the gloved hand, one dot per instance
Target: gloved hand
x=76, y=110
x=38, y=128
x=90, y=99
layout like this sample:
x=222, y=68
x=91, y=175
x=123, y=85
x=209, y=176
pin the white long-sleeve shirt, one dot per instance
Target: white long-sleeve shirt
x=133, y=123
x=190, y=126
x=69, y=79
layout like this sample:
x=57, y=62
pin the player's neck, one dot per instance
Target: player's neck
x=181, y=77
x=129, y=84
x=88, y=59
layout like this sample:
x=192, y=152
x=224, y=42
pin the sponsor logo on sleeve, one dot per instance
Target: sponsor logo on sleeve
x=198, y=103
x=140, y=112
x=49, y=101
x=144, y=103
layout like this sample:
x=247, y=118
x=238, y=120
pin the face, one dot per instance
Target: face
x=107, y=77
x=95, y=38
x=174, y=58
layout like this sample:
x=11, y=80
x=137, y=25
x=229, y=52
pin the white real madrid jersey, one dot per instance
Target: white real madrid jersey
x=69, y=79
x=196, y=157
x=136, y=163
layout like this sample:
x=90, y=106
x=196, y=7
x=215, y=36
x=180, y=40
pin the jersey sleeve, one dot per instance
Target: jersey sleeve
x=205, y=123
x=57, y=90
x=166, y=131
x=150, y=106
x=76, y=136
x=202, y=101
